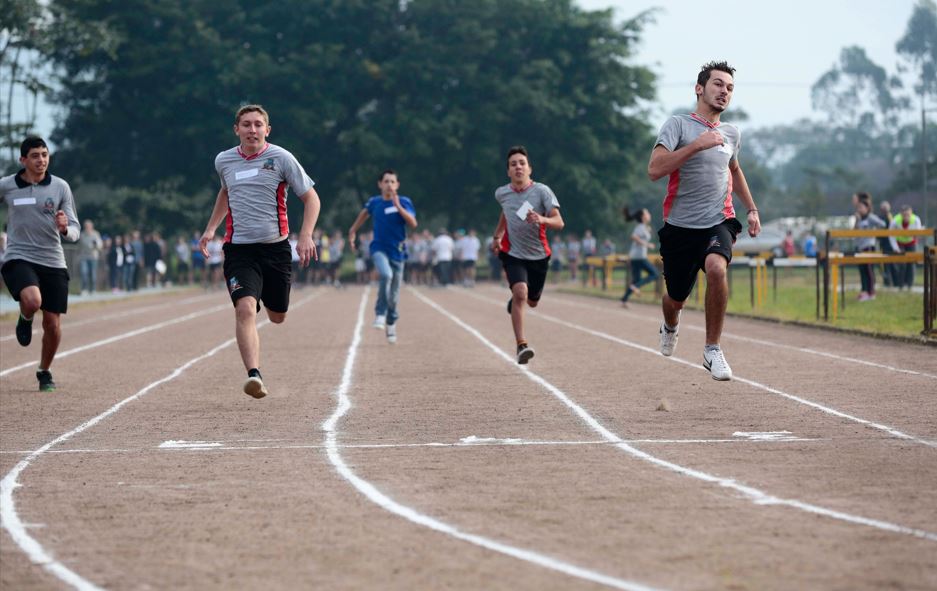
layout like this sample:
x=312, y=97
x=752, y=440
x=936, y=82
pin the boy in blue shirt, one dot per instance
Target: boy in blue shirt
x=392, y=213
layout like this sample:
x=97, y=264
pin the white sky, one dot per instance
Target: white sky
x=778, y=48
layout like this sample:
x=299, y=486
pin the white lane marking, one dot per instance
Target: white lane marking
x=221, y=446
x=120, y=337
x=755, y=495
x=178, y=444
x=762, y=342
x=765, y=435
x=476, y=440
x=826, y=409
x=9, y=518
x=116, y=315
x=376, y=496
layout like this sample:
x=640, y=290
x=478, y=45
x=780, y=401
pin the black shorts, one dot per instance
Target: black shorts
x=52, y=282
x=684, y=252
x=533, y=273
x=262, y=271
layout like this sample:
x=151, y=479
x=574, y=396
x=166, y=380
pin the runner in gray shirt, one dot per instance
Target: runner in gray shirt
x=41, y=215
x=701, y=157
x=527, y=210
x=258, y=257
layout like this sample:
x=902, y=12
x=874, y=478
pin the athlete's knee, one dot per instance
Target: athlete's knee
x=519, y=291
x=276, y=317
x=716, y=265
x=30, y=300
x=246, y=308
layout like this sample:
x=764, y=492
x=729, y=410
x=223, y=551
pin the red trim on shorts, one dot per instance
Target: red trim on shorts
x=228, y=227
x=672, y=188
x=281, y=209
x=252, y=156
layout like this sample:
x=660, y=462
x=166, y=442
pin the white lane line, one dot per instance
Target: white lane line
x=221, y=446
x=806, y=350
x=826, y=409
x=376, y=496
x=120, y=337
x=9, y=518
x=67, y=326
x=753, y=494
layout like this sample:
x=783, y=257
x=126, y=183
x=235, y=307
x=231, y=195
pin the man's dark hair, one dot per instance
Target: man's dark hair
x=864, y=197
x=518, y=150
x=31, y=143
x=707, y=70
x=386, y=172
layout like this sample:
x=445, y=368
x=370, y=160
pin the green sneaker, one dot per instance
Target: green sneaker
x=45, y=381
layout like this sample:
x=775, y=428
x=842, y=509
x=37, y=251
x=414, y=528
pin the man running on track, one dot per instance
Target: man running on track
x=701, y=156
x=257, y=264
x=392, y=214
x=528, y=209
x=41, y=215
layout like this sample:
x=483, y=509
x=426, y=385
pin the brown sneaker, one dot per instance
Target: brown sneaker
x=254, y=387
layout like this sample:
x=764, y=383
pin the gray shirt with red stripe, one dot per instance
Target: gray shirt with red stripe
x=699, y=194
x=256, y=187
x=523, y=240
x=33, y=234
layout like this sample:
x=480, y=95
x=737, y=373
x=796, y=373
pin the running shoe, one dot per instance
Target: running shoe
x=45, y=381
x=391, y=333
x=380, y=322
x=717, y=365
x=254, y=387
x=524, y=354
x=668, y=340
x=24, y=331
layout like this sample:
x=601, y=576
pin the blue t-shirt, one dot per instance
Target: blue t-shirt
x=390, y=230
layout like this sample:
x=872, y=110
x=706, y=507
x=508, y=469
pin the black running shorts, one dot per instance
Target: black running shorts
x=533, y=273
x=52, y=282
x=262, y=271
x=684, y=251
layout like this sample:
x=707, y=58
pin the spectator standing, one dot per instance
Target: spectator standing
x=183, y=261
x=89, y=252
x=443, y=249
x=787, y=245
x=115, y=263
x=905, y=220
x=889, y=270
x=866, y=220
x=471, y=246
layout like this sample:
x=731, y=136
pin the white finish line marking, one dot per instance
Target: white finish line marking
x=826, y=409
x=766, y=435
x=388, y=504
x=755, y=495
x=9, y=518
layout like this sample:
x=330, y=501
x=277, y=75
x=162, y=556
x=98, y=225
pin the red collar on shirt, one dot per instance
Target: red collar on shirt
x=516, y=190
x=705, y=121
x=252, y=156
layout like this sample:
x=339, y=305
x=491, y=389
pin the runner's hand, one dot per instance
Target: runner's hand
x=203, y=243
x=496, y=245
x=754, y=223
x=710, y=139
x=351, y=242
x=306, y=249
x=61, y=222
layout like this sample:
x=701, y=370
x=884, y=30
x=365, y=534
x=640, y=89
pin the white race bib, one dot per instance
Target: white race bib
x=25, y=201
x=391, y=209
x=245, y=174
x=523, y=209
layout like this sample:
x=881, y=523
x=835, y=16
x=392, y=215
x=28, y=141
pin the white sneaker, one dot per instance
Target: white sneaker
x=717, y=365
x=668, y=340
x=391, y=333
x=254, y=387
x=380, y=322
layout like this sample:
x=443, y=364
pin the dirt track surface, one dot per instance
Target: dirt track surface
x=455, y=469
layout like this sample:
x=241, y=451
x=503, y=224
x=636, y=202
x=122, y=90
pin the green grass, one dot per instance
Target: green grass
x=892, y=313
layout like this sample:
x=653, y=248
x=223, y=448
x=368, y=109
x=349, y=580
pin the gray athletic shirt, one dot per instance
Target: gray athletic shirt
x=522, y=240
x=699, y=194
x=257, y=192
x=638, y=250
x=31, y=231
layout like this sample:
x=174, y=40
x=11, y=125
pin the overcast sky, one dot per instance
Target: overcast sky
x=778, y=48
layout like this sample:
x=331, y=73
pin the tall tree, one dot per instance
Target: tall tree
x=438, y=89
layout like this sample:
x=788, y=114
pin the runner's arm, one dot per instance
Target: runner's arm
x=353, y=231
x=741, y=189
x=217, y=214
x=552, y=220
x=305, y=247
x=499, y=232
x=408, y=217
x=663, y=161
